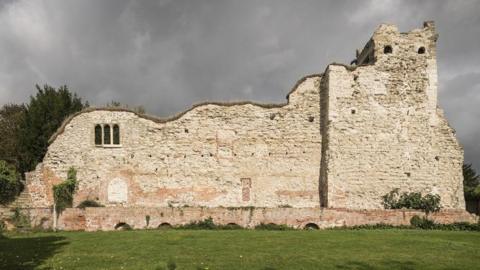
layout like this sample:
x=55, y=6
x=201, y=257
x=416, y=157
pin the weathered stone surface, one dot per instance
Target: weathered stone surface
x=199, y=159
x=343, y=139
x=385, y=130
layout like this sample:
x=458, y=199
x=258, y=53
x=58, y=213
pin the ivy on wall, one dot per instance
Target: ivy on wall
x=63, y=192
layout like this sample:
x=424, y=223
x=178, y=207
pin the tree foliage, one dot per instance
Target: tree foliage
x=10, y=185
x=43, y=116
x=11, y=118
x=471, y=182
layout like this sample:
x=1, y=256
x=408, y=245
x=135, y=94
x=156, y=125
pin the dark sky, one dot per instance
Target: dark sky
x=166, y=55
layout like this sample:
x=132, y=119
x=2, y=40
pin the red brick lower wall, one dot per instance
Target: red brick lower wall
x=106, y=218
x=40, y=218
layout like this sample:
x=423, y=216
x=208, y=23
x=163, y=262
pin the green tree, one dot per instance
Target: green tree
x=471, y=182
x=11, y=118
x=10, y=185
x=43, y=116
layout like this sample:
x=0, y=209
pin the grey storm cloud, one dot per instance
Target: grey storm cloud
x=166, y=55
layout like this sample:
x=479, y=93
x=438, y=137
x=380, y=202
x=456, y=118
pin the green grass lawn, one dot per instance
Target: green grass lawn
x=242, y=249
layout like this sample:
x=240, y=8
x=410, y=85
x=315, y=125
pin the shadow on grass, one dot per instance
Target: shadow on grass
x=28, y=253
x=388, y=264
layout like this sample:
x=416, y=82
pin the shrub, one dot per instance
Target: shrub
x=20, y=220
x=89, y=203
x=462, y=226
x=273, y=227
x=63, y=192
x=413, y=200
x=416, y=222
x=422, y=223
x=431, y=203
x=10, y=185
x=427, y=224
x=390, y=200
x=208, y=224
x=378, y=226
x=231, y=226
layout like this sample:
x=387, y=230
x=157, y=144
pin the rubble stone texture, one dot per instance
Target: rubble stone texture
x=344, y=139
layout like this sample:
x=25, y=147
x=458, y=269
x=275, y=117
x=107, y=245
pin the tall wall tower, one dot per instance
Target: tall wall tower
x=382, y=129
x=413, y=52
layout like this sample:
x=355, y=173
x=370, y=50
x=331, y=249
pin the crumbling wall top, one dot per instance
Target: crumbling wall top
x=387, y=36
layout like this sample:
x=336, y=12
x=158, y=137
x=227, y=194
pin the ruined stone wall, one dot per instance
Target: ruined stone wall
x=343, y=140
x=213, y=155
x=384, y=128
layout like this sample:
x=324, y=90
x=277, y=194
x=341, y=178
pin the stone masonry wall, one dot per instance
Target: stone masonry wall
x=214, y=155
x=384, y=128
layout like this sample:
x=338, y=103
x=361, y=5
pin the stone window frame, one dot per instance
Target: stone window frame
x=111, y=144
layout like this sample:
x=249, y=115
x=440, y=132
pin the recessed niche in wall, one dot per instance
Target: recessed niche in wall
x=387, y=49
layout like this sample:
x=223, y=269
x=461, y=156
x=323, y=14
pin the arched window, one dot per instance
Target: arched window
x=98, y=135
x=421, y=50
x=387, y=49
x=116, y=134
x=106, y=134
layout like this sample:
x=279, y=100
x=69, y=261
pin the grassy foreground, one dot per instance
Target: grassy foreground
x=242, y=249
